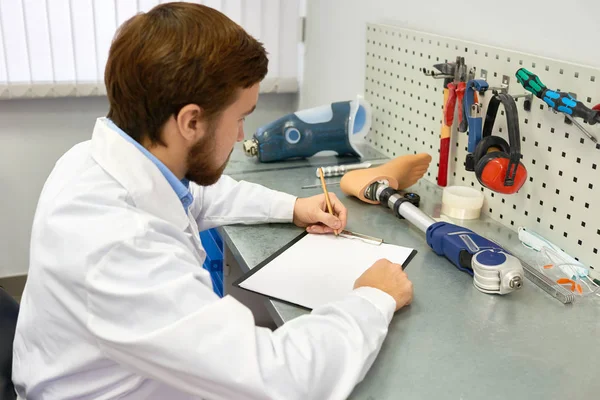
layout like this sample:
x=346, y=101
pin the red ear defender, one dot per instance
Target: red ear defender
x=497, y=164
x=494, y=171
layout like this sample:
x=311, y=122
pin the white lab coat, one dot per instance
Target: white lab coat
x=117, y=304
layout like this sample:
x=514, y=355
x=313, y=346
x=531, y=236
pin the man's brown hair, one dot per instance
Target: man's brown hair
x=178, y=54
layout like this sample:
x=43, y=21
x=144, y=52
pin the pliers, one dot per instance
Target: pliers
x=456, y=91
x=472, y=111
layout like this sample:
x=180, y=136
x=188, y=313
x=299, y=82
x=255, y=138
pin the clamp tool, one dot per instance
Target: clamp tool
x=559, y=101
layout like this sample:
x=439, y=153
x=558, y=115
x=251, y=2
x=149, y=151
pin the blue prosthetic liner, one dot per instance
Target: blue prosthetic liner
x=475, y=123
x=336, y=127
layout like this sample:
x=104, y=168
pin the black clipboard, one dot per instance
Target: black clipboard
x=262, y=264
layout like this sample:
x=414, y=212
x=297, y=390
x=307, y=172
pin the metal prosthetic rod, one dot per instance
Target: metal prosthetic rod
x=404, y=205
x=494, y=270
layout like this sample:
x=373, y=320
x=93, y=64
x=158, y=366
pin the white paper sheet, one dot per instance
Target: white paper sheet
x=319, y=269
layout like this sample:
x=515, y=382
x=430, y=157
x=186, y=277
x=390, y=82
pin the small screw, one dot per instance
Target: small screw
x=516, y=282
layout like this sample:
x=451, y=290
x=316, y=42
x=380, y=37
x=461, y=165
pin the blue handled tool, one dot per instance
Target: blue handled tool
x=494, y=269
x=559, y=101
x=473, y=111
x=337, y=127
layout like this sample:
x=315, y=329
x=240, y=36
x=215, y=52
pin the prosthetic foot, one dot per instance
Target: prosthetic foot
x=400, y=173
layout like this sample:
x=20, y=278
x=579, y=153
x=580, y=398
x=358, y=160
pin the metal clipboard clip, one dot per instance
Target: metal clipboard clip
x=365, y=238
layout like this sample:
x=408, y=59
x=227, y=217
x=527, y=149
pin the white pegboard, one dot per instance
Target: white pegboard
x=561, y=199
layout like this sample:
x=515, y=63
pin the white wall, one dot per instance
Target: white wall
x=35, y=133
x=335, y=34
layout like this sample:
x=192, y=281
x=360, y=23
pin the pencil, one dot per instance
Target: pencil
x=326, y=195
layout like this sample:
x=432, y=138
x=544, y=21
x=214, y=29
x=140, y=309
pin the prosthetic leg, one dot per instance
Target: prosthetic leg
x=494, y=269
x=399, y=173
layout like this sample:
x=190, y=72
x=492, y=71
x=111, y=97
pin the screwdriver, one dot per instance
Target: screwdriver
x=559, y=101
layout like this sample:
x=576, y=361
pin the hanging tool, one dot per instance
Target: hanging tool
x=449, y=71
x=494, y=269
x=559, y=101
x=463, y=125
x=473, y=111
x=456, y=92
x=460, y=96
x=450, y=103
x=442, y=178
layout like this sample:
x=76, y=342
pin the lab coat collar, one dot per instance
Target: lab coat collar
x=181, y=187
x=143, y=180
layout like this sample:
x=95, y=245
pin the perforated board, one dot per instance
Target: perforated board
x=561, y=199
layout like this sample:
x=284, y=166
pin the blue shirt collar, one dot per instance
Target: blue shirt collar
x=181, y=187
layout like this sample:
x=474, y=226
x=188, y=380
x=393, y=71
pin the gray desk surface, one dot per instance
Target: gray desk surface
x=453, y=342
x=240, y=163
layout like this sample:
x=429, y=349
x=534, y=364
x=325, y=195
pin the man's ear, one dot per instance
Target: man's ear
x=190, y=123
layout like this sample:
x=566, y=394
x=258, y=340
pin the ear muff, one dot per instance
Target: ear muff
x=496, y=163
x=491, y=171
x=487, y=145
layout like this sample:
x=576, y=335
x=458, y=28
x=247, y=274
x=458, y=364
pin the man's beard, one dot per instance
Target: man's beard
x=200, y=162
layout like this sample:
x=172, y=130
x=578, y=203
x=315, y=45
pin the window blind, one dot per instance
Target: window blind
x=57, y=48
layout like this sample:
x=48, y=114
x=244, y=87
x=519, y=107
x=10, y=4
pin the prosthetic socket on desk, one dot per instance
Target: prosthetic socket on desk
x=338, y=127
x=400, y=173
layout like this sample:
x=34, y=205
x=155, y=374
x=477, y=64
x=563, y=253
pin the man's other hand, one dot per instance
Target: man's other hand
x=389, y=277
